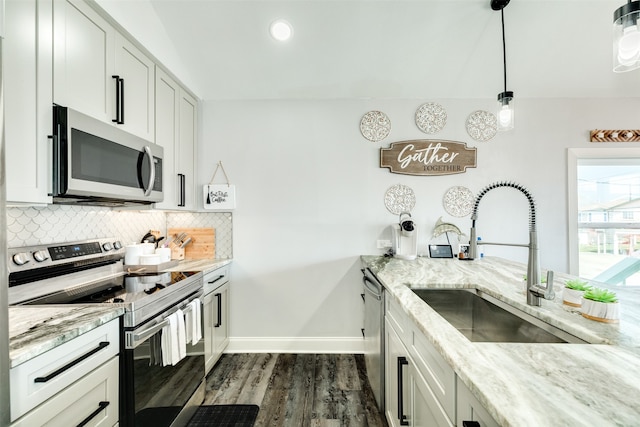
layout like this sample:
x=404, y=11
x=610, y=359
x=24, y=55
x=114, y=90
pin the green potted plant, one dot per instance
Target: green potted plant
x=600, y=304
x=573, y=291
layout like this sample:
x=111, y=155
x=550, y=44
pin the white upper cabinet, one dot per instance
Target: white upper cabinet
x=99, y=72
x=187, y=148
x=135, y=74
x=27, y=85
x=176, y=131
x=83, y=56
x=167, y=96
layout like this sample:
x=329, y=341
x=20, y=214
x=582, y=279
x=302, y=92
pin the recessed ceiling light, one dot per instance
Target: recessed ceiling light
x=281, y=30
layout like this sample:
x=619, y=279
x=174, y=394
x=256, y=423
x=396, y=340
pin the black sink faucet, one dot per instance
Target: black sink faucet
x=535, y=289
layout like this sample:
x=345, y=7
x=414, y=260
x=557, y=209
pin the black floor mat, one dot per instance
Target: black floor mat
x=224, y=416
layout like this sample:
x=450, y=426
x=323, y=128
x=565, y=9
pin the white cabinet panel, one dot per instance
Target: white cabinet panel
x=93, y=399
x=470, y=409
x=176, y=131
x=83, y=60
x=215, y=315
x=137, y=72
x=28, y=100
x=187, y=148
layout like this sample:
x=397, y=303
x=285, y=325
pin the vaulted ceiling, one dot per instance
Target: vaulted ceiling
x=382, y=49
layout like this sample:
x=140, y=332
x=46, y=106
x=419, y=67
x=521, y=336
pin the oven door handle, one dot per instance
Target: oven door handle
x=134, y=339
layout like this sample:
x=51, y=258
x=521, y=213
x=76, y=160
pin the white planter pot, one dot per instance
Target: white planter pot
x=572, y=297
x=600, y=311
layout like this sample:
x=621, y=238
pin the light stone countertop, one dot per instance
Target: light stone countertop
x=204, y=265
x=528, y=384
x=36, y=329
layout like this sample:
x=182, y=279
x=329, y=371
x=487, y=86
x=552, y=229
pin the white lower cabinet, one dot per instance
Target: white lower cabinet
x=469, y=409
x=421, y=389
x=92, y=400
x=73, y=383
x=410, y=400
x=215, y=315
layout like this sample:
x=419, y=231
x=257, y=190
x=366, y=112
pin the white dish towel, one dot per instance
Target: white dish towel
x=173, y=339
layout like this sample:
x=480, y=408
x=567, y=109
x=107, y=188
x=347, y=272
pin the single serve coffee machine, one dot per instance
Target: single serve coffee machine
x=404, y=238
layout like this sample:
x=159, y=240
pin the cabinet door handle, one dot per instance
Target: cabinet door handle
x=181, y=180
x=101, y=406
x=470, y=424
x=121, y=122
x=401, y=416
x=119, y=100
x=219, y=297
x=102, y=345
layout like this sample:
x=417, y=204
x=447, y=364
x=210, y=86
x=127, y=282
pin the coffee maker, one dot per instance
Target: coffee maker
x=404, y=238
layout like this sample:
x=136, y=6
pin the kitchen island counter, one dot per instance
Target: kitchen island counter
x=33, y=330
x=527, y=384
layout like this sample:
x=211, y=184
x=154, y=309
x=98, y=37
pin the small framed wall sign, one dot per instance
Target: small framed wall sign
x=221, y=197
x=440, y=251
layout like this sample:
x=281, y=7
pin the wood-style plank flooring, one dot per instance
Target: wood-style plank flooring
x=297, y=390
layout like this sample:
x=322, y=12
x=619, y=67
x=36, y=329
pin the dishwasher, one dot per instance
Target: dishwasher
x=373, y=334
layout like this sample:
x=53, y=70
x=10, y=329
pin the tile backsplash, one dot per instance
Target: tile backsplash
x=27, y=226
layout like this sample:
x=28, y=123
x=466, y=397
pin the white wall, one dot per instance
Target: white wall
x=310, y=200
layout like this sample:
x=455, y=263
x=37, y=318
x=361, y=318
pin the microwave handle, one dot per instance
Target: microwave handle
x=152, y=171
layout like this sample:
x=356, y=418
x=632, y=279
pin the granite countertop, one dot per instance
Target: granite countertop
x=528, y=384
x=34, y=330
x=204, y=265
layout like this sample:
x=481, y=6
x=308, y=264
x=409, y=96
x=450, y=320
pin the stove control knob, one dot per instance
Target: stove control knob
x=21, y=258
x=107, y=246
x=40, y=256
x=117, y=245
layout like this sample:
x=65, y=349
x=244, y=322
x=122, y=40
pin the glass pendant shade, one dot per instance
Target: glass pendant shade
x=626, y=37
x=506, y=113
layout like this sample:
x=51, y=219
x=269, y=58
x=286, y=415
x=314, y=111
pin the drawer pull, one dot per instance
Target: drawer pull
x=101, y=406
x=71, y=364
x=470, y=424
x=216, y=279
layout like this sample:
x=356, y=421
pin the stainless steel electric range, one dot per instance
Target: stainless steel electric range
x=152, y=392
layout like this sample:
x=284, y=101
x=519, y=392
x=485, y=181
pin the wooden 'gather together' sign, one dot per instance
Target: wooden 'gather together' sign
x=428, y=157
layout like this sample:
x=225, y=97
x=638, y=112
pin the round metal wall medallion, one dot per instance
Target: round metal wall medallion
x=431, y=117
x=375, y=126
x=482, y=125
x=458, y=201
x=399, y=198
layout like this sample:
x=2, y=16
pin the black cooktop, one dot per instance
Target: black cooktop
x=132, y=287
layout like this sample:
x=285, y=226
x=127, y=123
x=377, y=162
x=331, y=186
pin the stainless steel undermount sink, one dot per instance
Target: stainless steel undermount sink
x=482, y=318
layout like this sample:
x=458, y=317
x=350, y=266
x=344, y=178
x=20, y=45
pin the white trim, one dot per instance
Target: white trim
x=341, y=345
x=573, y=154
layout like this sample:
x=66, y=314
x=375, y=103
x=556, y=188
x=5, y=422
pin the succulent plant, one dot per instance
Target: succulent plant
x=577, y=284
x=600, y=295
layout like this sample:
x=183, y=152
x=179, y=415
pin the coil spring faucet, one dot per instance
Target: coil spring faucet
x=535, y=290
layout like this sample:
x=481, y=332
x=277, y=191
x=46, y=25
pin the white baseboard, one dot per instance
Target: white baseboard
x=340, y=345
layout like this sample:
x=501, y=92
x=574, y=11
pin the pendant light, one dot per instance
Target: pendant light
x=626, y=37
x=505, y=99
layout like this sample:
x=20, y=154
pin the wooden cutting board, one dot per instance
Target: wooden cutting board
x=203, y=242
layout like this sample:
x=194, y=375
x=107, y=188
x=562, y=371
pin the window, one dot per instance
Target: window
x=604, y=215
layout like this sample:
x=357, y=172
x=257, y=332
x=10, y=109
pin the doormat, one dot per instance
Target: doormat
x=224, y=416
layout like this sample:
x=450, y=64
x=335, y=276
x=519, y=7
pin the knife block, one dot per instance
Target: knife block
x=177, y=253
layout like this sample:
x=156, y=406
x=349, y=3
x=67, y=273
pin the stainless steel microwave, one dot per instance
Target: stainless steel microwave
x=96, y=163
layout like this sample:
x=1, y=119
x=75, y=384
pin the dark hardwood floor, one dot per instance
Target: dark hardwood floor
x=297, y=390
